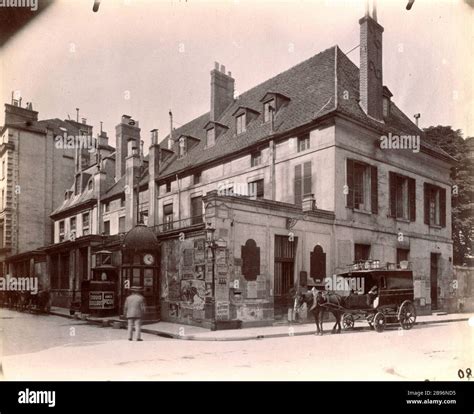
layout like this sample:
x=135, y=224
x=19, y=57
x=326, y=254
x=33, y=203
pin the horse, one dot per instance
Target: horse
x=334, y=301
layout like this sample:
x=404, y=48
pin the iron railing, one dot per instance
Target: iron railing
x=179, y=224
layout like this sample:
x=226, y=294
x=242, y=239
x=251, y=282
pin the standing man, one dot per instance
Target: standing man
x=134, y=309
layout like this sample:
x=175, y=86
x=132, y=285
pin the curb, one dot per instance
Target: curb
x=237, y=338
x=269, y=336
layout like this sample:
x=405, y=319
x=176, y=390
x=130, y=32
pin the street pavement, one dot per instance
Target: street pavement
x=46, y=347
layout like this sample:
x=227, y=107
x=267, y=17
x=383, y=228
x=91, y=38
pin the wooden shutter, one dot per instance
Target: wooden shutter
x=196, y=206
x=426, y=200
x=374, y=190
x=392, y=182
x=260, y=189
x=442, y=207
x=412, y=198
x=297, y=185
x=350, y=183
x=307, y=178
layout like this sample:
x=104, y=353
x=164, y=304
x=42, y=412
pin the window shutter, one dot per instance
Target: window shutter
x=260, y=189
x=350, y=183
x=307, y=178
x=442, y=207
x=412, y=198
x=426, y=197
x=374, y=190
x=393, y=194
x=297, y=185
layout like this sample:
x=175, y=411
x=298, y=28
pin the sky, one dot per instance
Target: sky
x=143, y=58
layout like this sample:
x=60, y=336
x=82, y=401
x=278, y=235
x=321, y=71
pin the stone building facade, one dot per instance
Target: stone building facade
x=34, y=177
x=296, y=180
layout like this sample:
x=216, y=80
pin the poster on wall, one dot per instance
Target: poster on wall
x=221, y=257
x=174, y=287
x=252, y=290
x=199, y=272
x=173, y=310
x=417, y=289
x=222, y=310
x=222, y=289
x=101, y=300
x=199, y=251
x=188, y=256
x=193, y=292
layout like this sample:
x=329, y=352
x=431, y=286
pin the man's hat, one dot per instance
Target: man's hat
x=136, y=288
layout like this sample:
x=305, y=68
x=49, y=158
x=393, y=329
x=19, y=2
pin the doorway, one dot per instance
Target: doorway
x=434, y=269
x=284, y=279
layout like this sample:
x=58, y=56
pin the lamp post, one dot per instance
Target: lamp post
x=211, y=244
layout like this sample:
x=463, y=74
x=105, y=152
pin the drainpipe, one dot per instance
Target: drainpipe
x=179, y=198
x=271, y=149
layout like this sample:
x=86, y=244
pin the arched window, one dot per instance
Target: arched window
x=250, y=260
x=318, y=264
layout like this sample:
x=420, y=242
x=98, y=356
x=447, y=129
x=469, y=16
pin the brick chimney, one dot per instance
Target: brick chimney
x=126, y=130
x=371, y=82
x=16, y=115
x=222, y=91
x=132, y=169
x=103, y=139
x=153, y=172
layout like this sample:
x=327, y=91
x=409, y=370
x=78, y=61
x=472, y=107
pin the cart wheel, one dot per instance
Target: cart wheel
x=347, y=321
x=379, y=322
x=370, y=321
x=407, y=315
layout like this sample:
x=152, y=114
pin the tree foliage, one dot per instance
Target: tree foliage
x=462, y=176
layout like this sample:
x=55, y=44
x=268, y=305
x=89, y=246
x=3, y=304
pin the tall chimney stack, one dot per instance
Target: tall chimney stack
x=127, y=130
x=222, y=91
x=371, y=81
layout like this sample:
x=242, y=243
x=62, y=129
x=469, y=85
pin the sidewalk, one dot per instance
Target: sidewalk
x=186, y=332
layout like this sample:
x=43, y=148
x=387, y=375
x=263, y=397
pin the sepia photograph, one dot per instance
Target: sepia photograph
x=237, y=190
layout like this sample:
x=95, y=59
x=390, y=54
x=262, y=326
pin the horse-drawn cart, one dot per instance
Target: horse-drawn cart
x=389, y=300
x=380, y=296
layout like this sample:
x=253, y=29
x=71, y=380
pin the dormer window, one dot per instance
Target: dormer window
x=213, y=131
x=241, y=125
x=268, y=108
x=182, y=147
x=89, y=185
x=211, y=137
x=272, y=103
x=243, y=116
